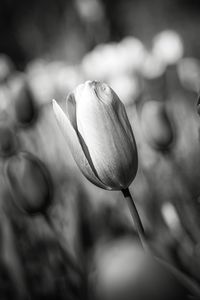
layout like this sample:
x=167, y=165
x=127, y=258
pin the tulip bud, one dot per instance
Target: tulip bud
x=29, y=182
x=198, y=105
x=99, y=135
x=156, y=125
x=7, y=141
x=168, y=46
x=6, y=67
x=188, y=71
x=25, y=108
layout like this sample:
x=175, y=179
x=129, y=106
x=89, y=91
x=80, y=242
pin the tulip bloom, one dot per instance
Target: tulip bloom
x=99, y=135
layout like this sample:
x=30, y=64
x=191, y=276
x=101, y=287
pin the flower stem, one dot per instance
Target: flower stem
x=136, y=218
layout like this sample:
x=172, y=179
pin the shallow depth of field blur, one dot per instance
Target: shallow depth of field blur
x=145, y=50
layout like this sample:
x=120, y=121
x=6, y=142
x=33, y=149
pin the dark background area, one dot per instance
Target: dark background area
x=31, y=29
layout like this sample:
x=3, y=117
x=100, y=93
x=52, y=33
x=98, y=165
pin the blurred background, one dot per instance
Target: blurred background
x=60, y=236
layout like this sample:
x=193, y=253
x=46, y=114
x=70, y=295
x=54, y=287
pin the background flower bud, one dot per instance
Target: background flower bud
x=156, y=125
x=198, y=105
x=29, y=182
x=168, y=46
x=6, y=67
x=188, y=70
x=25, y=107
x=7, y=141
x=99, y=135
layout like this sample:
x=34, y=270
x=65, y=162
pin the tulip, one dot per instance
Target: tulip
x=7, y=141
x=92, y=62
x=29, y=182
x=41, y=79
x=25, y=107
x=127, y=87
x=198, y=105
x=102, y=142
x=24, y=104
x=188, y=71
x=6, y=67
x=153, y=73
x=131, y=55
x=99, y=135
x=30, y=185
x=168, y=46
x=156, y=125
x=153, y=67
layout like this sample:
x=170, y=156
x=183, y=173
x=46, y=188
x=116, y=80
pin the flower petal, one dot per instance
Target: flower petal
x=75, y=146
x=108, y=136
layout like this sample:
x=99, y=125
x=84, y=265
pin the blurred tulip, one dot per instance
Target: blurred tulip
x=131, y=55
x=99, y=135
x=90, y=10
x=153, y=73
x=7, y=141
x=122, y=271
x=153, y=67
x=189, y=73
x=41, y=80
x=171, y=218
x=29, y=182
x=156, y=125
x=198, y=105
x=114, y=59
x=168, y=46
x=5, y=97
x=127, y=88
x=31, y=188
x=94, y=21
x=102, y=63
x=6, y=67
x=67, y=78
x=24, y=105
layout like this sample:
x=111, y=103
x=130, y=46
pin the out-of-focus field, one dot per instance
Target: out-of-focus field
x=94, y=226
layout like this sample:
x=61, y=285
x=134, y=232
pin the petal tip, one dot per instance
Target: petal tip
x=198, y=100
x=56, y=108
x=54, y=103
